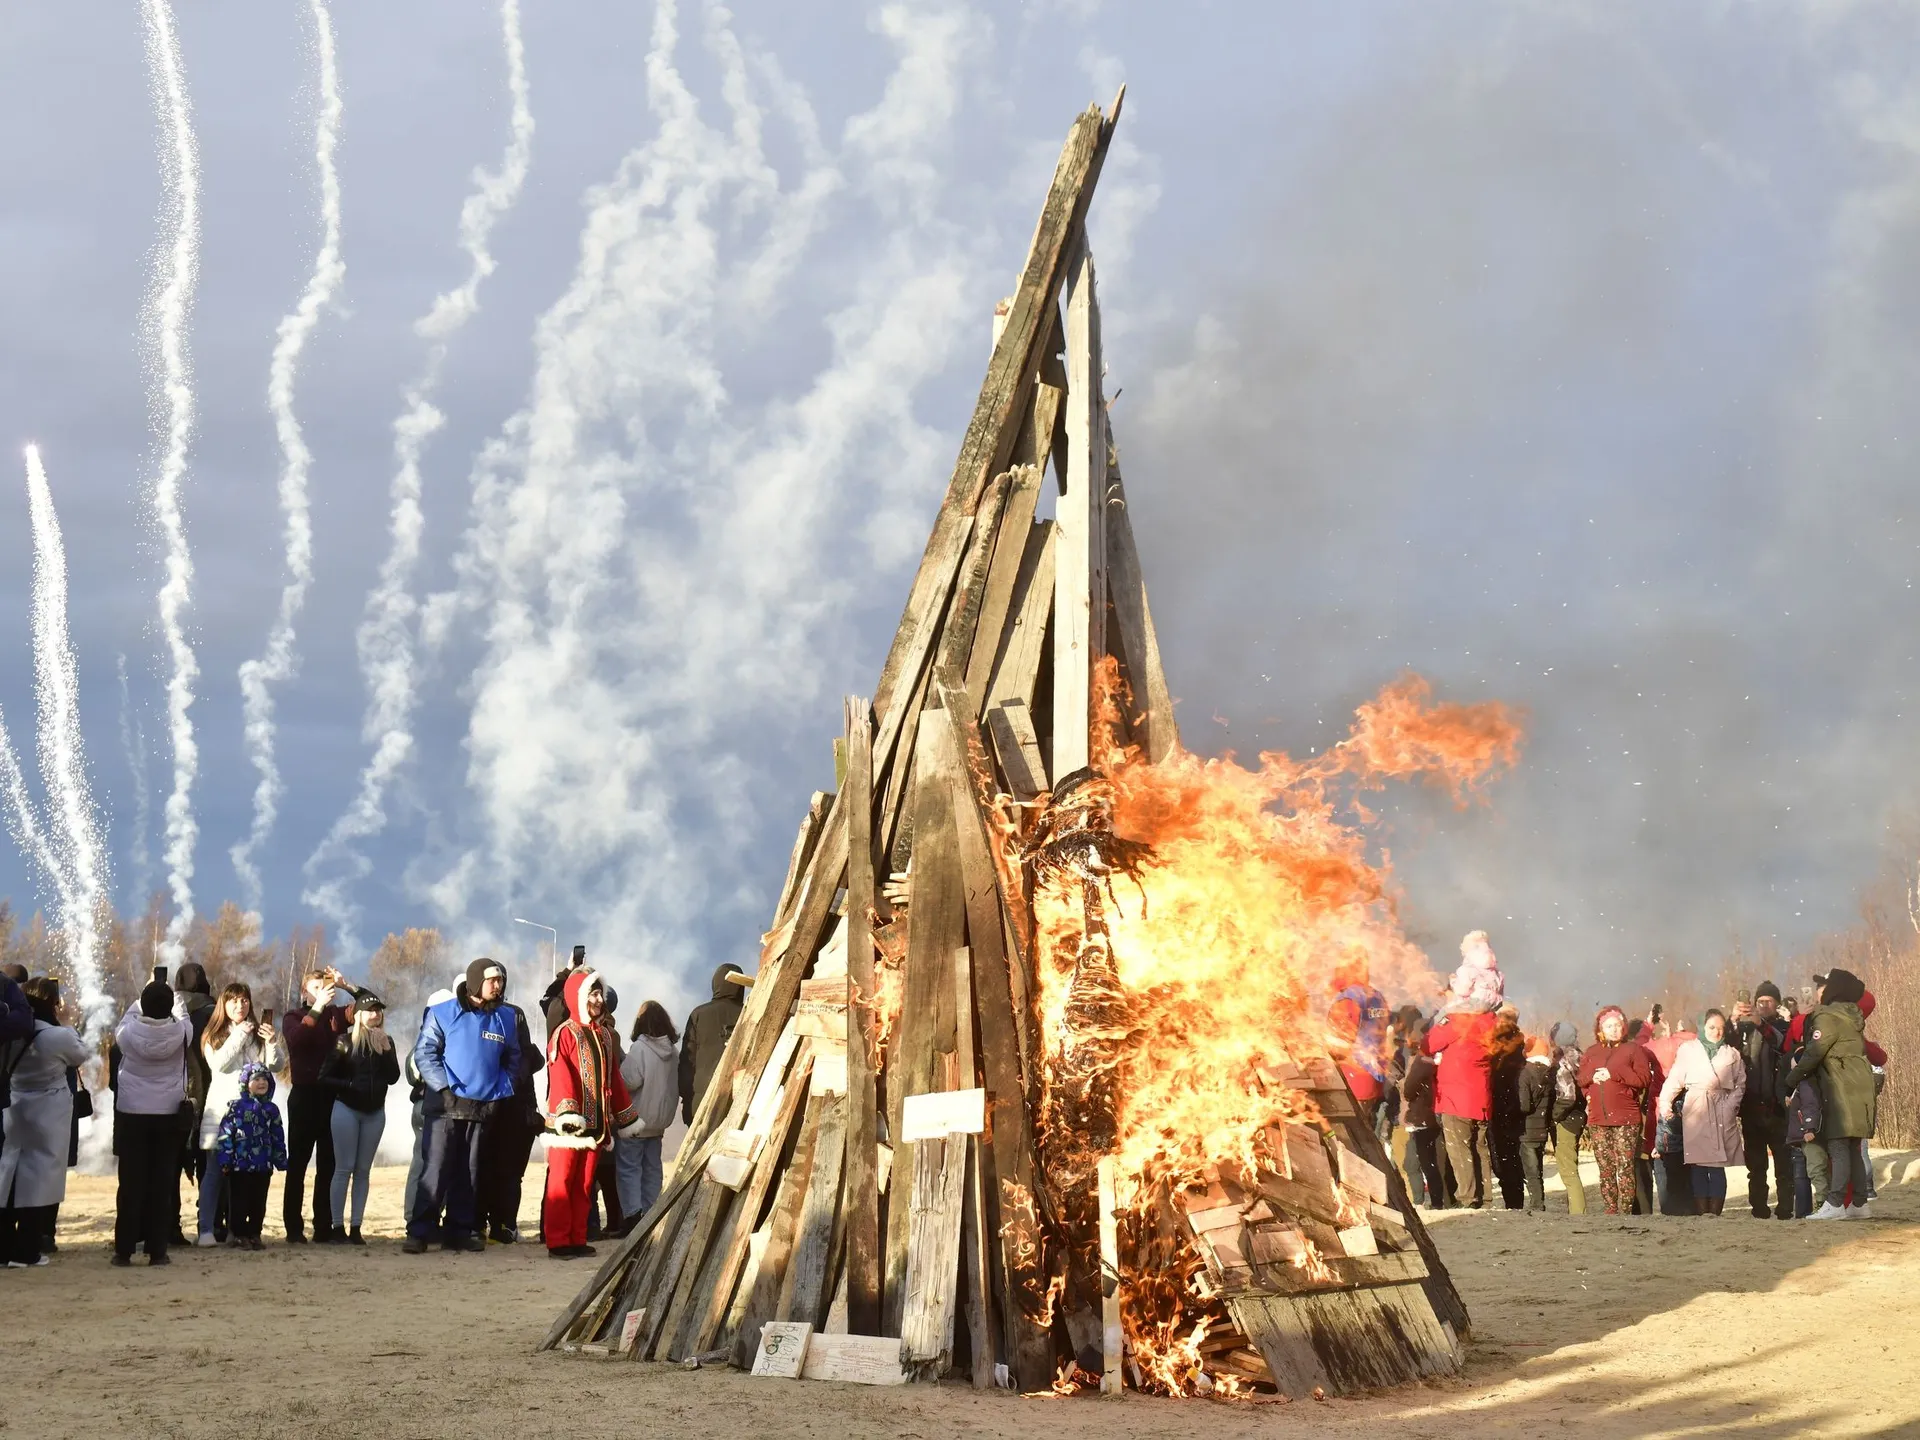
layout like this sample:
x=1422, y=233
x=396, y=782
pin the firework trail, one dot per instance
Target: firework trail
x=386, y=633
x=170, y=368
x=133, y=744
x=277, y=664
x=23, y=822
x=63, y=759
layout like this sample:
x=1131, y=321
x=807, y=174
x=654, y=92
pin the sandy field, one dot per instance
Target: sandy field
x=1596, y=1327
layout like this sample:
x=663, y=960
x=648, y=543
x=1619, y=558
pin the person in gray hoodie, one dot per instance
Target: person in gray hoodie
x=650, y=1070
x=151, y=1116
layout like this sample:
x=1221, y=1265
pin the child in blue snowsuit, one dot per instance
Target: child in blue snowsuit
x=251, y=1145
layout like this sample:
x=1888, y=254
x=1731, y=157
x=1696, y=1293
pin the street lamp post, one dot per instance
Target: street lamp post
x=536, y=925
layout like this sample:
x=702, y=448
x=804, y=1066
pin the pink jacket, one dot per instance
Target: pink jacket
x=1710, y=1115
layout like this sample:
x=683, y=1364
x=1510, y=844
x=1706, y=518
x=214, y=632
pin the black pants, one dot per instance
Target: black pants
x=1762, y=1137
x=147, y=1207
x=506, y=1146
x=1508, y=1167
x=1427, y=1159
x=446, y=1206
x=309, y=1135
x=22, y=1228
x=247, y=1201
x=1533, y=1159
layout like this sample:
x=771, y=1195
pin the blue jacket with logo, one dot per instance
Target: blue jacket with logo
x=467, y=1056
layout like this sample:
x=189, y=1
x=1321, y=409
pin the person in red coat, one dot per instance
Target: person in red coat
x=1615, y=1074
x=1463, y=1099
x=587, y=1105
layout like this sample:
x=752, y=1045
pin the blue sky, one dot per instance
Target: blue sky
x=1562, y=352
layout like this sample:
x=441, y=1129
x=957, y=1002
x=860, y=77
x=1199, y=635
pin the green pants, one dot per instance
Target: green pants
x=1819, y=1171
x=1566, y=1156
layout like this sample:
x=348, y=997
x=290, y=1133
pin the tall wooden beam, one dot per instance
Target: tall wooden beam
x=865, y=1262
x=1080, y=559
x=1152, y=716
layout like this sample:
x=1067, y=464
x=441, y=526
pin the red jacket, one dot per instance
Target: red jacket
x=1464, y=1087
x=1617, y=1100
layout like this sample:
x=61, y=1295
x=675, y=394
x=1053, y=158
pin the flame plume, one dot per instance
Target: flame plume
x=1188, y=918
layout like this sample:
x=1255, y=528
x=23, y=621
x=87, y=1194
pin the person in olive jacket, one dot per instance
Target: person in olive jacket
x=1835, y=1056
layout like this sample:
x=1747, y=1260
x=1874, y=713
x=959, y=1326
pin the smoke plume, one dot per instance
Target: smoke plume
x=277, y=664
x=133, y=746
x=385, y=637
x=177, y=263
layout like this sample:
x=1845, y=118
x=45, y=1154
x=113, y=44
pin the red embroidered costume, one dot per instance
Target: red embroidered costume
x=587, y=1102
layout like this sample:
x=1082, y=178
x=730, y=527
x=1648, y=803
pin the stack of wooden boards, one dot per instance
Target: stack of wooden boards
x=862, y=1173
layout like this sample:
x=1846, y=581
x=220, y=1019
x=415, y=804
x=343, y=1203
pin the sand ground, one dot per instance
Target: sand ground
x=1621, y=1327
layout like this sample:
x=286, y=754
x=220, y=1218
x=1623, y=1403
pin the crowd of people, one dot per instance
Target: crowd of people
x=1472, y=1106
x=207, y=1090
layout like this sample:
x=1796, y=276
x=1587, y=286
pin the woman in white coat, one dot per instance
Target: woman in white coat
x=33, y=1161
x=233, y=1041
x=1709, y=1079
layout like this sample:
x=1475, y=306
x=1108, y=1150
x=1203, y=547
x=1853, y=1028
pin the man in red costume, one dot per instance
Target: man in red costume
x=587, y=1104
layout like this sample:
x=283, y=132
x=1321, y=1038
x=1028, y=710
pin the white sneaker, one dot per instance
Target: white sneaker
x=1862, y=1211
x=205, y=1240
x=1829, y=1211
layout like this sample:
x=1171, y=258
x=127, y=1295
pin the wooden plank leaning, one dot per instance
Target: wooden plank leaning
x=1152, y=712
x=764, y=1302
x=933, y=1257
x=999, y=1003
x=862, y=1210
x=1080, y=561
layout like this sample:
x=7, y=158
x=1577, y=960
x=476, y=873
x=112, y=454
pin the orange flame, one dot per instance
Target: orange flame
x=1217, y=955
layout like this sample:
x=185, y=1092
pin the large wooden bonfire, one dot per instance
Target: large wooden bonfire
x=902, y=1143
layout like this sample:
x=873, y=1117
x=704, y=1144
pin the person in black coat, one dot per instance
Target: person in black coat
x=506, y=1145
x=1426, y=1156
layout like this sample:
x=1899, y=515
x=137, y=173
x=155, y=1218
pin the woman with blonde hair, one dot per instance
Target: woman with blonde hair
x=361, y=1068
x=232, y=1041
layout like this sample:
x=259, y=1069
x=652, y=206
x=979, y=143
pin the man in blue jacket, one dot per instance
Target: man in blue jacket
x=467, y=1056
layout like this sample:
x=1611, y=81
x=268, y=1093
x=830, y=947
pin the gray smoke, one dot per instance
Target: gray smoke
x=1568, y=366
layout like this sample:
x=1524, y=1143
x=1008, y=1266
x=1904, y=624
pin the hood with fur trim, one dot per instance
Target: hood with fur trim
x=575, y=993
x=247, y=1072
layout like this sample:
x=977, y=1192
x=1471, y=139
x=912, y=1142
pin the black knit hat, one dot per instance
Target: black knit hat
x=156, y=1000
x=1766, y=989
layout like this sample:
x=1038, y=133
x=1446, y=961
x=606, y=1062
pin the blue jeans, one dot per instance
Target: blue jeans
x=1709, y=1182
x=637, y=1174
x=356, y=1137
x=445, y=1205
x=1802, y=1181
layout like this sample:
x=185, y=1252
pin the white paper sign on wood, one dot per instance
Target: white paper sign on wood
x=946, y=1112
x=783, y=1349
x=630, y=1330
x=830, y=1073
x=859, y=1359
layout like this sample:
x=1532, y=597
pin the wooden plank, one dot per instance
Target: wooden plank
x=1009, y=552
x=770, y=1281
x=861, y=1212
x=1017, y=749
x=1080, y=561
x=805, y=1294
x=994, y=426
x=1000, y=1005
x=1441, y=1291
x=691, y=1313
x=1112, y=1342
x=1151, y=717
x=803, y=846
x=854, y=1359
x=622, y=1259
x=1347, y=1272
x=1279, y=1332
x=933, y=1257
x=969, y=597
x=684, y=1265
x=978, y=1291
x=1016, y=669
x=936, y=927
x=738, y=1243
